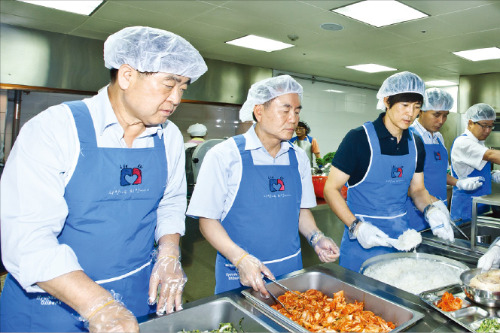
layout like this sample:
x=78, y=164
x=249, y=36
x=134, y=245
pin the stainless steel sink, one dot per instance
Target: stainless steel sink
x=207, y=317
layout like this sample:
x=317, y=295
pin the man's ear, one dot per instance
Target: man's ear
x=257, y=111
x=125, y=75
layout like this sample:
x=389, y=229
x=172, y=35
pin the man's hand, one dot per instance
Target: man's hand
x=109, y=315
x=251, y=272
x=369, y=236
x=169, y=276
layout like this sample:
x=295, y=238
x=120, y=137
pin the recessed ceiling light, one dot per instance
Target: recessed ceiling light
x=334, y=91
x=380, y=13
x=440, y=83
x=85, y=7
x=371, y=68
x=480, y=54
x=259, y=43
x=331, y=26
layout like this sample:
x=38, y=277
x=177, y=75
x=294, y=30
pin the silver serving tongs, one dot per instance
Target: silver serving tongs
x=460, y=230
x=285, y=287
x=278, y=301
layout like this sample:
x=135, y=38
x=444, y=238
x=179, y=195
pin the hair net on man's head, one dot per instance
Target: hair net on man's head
x=266, y=90
x=197, y=130
x=400, y=83
x=153, y=50
x=480, y=111
x=437, y=100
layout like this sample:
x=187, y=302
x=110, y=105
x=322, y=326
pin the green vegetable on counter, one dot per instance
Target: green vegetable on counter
x=489, y=325
x=223, y=327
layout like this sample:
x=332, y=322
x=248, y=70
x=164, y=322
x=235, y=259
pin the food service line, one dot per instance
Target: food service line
x=432, y=320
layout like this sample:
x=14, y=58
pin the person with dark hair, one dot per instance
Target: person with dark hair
x=305, y=141
x=92, y=185
x=382, y=162
x=254, y=193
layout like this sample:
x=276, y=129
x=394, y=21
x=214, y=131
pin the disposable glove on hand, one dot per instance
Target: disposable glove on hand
x=369, y=236
x=495, y=176
x=250, y=270
x=169, y=276
x=326, y=249
x=470, y=184
x=108, y=315
x=490, y=259
x=438, y=217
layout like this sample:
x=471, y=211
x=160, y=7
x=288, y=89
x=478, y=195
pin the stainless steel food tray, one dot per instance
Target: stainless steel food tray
x=206, y=317
x=401, y=316
x=469, y=316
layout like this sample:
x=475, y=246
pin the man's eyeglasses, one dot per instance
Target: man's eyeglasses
x=485, y=126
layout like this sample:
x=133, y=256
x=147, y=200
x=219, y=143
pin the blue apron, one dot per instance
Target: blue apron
x=461, y=201
x=264, y=218
x=379, y=198
x=435, y=171
x=112, y=199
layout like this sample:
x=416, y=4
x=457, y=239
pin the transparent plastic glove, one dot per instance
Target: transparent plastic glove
x=250, y=270
x=167, y=280
x=490, y=259
x=109, y=315
x=438, y=217
x=495, y=176
x=369, y=236
x=326, y=249
x=469, y=184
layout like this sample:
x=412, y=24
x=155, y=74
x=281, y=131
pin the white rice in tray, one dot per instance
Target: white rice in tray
x=414, y=275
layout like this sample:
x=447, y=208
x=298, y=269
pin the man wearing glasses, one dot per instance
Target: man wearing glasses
x=471, y=158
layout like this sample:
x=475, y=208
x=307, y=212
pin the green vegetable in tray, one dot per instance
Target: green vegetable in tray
x=489, y=325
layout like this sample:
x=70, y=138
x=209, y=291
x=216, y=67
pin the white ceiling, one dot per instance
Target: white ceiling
x=422, y=46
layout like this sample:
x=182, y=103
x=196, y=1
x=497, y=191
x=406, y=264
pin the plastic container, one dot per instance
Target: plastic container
x=319, y=185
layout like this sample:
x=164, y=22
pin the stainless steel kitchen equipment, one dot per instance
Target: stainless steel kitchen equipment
x=469, y=316
x=301, y=281
x=488, y=225
x=484, y=297
x=207, y=316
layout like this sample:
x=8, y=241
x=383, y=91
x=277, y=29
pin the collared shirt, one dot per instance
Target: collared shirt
x=467, y=154
x=40, y=165
x=220, y=174
x=428, y=137
x=354, y=152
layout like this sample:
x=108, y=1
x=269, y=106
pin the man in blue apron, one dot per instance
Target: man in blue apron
x=382, y=162
x=305, y=141
x=471, y=158
x=92, y=185
x=254, y=192
x=432, y=116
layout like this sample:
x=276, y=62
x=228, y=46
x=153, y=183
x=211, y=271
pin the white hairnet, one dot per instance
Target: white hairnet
x=153, y=50
x=265, y=90
x=197, y=130
x=480, y=111
x=437, y=100
x=400, y=83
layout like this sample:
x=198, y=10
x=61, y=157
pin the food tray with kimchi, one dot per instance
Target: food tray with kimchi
x=452, y=302
x=329, y=304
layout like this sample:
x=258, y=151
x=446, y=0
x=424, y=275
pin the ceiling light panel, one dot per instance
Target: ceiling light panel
x=440, y=83
x=259, y=43
x=380, y=13
x=85, y=7
x=480, y=54
x=371, y=68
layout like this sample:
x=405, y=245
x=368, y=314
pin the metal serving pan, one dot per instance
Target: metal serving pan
x=387, y=258
x=484, y=297
x=401, y=316
x=206, y=317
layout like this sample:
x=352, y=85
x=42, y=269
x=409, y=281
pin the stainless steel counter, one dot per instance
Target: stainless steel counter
x=433, y=321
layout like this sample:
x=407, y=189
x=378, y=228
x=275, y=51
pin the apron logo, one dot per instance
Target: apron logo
x=276, y=184
x=437, y=156
x=130, y=176
x=397, y=172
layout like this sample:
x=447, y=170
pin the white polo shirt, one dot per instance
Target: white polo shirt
x=220, y=174
x=467, y=154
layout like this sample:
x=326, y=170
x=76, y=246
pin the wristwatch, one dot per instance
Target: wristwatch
x=352, y=228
